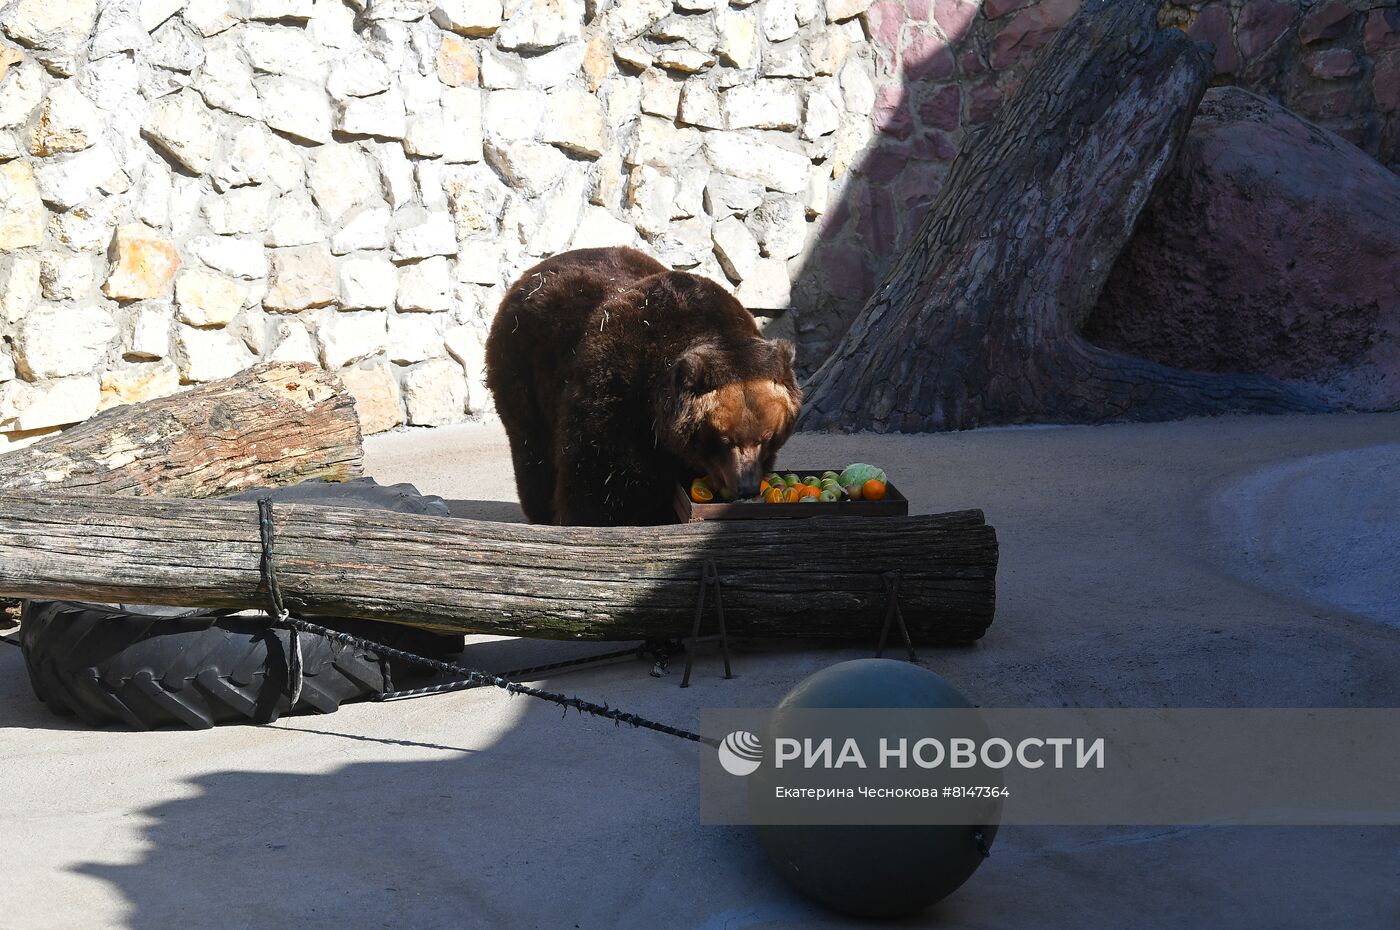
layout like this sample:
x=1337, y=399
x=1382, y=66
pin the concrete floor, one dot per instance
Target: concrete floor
x=1130, y=576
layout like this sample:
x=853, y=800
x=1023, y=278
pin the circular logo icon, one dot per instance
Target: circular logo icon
x=741, y=753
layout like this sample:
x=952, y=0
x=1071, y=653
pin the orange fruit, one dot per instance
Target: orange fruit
x=763, y=487
x=792, y=495
x=872, y=490
x=810, y=490
x=773, y=496
x=700, y=491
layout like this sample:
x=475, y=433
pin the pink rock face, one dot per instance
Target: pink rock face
x=1327, y=21
x=927, y=57
x=954, y=17
x=1261, y=24
x=1385, y=83
x=886, y=19
x=1031, y=29
x=1333, y=64
x=933, y=146
x=1382, y=31
x=983, y=101
x=940, y=110
x=1213, y=26
x=1272, y=247
x=892, y=115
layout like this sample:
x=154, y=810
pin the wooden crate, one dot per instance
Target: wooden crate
x=893, y=504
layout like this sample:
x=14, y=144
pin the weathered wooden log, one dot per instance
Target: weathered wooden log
x=271, y=425
x=820, y=577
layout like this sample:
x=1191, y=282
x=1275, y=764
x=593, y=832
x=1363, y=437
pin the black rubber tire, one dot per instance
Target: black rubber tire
x=148, y=667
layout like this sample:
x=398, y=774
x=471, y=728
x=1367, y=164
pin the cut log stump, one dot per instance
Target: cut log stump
x=271, y=425
x=818, y=578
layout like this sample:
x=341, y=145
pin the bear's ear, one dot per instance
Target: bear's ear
x=688, y=370
x=786, y=353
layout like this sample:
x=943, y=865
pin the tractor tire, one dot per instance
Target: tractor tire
x=149, y=667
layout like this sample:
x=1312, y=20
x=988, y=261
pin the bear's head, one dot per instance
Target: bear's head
x=727, y=408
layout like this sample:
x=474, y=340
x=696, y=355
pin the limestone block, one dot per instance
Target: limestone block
x=65, y=277
x=378, y=402
x=238, y=211
x=300, y=278
x=425, y=287
x=780, y=226
x=767, y=287
x=150, y=333
x=295, y=107
x=756, y=159
x=766, y=105
x=341, y=178
x=67, y=181
x=54, y=341
x=55, y=29
x=22, y=214
x=383, y=116
x=67, y=122
x=368, y=283
x=143, y=264
x=56, y=403
x=735, y=248
x=242, y=258
x=209, y=354
x=203, y=298
x=137, y=383
x=528, y=167
x=537, y=25
x=184, y=129
x=349, y=337
x=435, y=393
x=573, y=121
x=415, y=337
x=468, y=17
x=364, y=229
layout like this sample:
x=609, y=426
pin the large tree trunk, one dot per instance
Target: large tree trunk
x=976, y=322
x=805, y=578
x=271, y=425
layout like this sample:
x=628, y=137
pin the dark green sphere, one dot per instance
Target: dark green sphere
x=874, y=871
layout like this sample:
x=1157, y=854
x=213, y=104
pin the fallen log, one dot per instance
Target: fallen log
x=821, y=577
x=271, y=425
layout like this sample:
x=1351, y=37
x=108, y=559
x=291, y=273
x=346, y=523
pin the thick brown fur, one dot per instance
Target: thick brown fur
x=616, y=379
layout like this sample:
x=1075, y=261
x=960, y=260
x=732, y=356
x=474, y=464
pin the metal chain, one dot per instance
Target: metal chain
x=497, y=681
x=519, y=674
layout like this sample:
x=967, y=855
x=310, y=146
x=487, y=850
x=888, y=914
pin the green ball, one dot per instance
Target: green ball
x=873, y=871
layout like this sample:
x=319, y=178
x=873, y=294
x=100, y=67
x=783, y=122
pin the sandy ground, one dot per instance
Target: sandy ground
x=1185, y=564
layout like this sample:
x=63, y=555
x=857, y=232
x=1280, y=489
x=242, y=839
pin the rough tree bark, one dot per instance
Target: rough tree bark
x=551, y=582
x=271, y=425
x=976, y=322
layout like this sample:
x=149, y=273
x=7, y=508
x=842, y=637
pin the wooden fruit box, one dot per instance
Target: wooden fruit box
x=893, y=504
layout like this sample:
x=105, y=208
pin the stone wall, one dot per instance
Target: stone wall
x=188, y=186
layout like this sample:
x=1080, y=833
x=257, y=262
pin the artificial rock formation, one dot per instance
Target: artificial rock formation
x=1272, y=247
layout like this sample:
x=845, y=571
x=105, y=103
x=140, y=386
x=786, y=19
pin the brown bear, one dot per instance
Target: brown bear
x=617, y=378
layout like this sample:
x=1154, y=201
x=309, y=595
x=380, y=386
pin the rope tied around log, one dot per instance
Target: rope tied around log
x=279, y=616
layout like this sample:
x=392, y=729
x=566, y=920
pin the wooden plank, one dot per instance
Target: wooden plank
x=820, y=577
